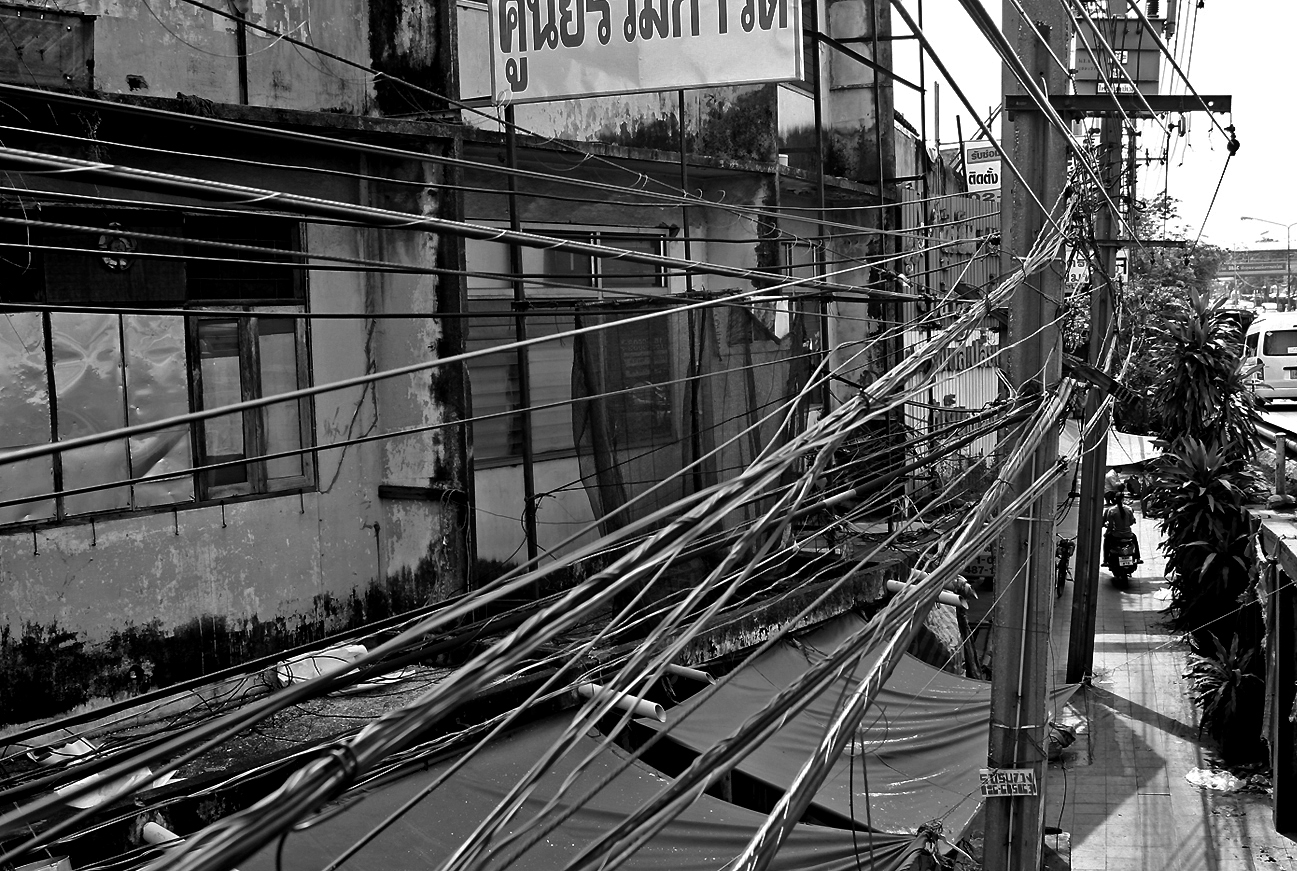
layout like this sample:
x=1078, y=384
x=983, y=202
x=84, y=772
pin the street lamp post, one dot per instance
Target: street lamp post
x=1287, y=257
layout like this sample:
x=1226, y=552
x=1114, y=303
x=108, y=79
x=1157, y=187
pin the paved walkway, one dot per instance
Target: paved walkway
x=1120, y=791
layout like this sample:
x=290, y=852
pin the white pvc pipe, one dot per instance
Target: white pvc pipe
x=945, y=597
x=695, y=673
x=625, y=701
x=156, y=834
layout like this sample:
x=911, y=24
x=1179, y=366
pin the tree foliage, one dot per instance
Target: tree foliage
x=1161, y=282
x=1225, y=685
x=1202, y=491
x=1199, y=391
x=1202, y=408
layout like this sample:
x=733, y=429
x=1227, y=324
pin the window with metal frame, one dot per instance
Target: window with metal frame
x=556, y=281
x=573, y=269
x=79, y=372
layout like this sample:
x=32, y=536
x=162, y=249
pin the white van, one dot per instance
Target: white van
x=1270, y=351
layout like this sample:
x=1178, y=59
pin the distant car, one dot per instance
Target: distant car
x=1270, y=356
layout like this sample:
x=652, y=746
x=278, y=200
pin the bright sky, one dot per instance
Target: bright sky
x=1243, y=48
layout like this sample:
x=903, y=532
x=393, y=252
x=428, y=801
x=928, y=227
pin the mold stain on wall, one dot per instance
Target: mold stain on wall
x=47, y=670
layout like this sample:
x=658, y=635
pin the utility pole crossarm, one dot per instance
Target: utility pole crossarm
x=1115, y=104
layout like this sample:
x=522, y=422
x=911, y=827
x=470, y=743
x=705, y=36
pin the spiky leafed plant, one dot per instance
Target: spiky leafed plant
x=1204, y=408
x=1202, y=493
x=1201, y=392
x=1202, y=486
x=1226, y=687
x=1202, y=483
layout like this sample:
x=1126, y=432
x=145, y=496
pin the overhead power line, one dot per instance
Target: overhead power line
x=34, y=162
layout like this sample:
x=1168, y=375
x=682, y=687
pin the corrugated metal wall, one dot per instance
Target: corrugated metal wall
x=952, y=259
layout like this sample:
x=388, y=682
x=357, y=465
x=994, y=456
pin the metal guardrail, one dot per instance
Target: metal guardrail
x=1269, y=429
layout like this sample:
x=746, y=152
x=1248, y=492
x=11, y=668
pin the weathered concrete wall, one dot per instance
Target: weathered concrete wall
x=128, y=602
x=413, y=41
x=165, y=48
x=858, y=115
x=426, y=401
x=735, y=239
x=161, y=49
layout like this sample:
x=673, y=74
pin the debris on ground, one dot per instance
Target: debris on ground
x=1216, y=779
x=1061, y=736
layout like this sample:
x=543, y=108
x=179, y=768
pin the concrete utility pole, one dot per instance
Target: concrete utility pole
x=1015, y=824
x=1080, y=645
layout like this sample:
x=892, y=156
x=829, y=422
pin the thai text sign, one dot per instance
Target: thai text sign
x=1008, y=781
x=555, y=49
x=980, y=165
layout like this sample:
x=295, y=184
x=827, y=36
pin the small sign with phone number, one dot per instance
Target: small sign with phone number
x=1007, y=781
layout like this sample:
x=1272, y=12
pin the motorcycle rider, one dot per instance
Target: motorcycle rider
x=1118, y=522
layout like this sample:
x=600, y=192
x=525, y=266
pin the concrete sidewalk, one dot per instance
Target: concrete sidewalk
x=1120, y=790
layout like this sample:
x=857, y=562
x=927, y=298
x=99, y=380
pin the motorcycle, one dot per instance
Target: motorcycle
x=1121, y=555
x=1063, y=551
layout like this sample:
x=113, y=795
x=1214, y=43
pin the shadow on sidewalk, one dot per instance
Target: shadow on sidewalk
x=1116, y=784
x=1136, y=711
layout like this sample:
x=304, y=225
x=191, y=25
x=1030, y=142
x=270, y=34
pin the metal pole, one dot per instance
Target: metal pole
x=695, y=332
x=241, y=48
x=520, y=334
x=883, y=133
x=926, y=187
x=1281, y=465
x=1024, y=564
x=820, y=252
x=1094, y=456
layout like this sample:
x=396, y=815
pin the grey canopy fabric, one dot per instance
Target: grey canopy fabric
x=705, y=837
x=919, y=747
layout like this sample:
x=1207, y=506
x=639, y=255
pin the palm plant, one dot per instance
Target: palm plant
x=1225, y=686
x=1201, y=392
x=1202, y=494
x=1202, y=486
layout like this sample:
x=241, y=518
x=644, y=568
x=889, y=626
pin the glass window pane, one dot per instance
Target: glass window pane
x=1280, y=343
x=218, y=360
x=566, y=267
x=277, y=339
x=24, y=396
x=625, y=273
x=551, y=382
x=214, y=277
x=494, y=382
x=157, y=388
x=90, y=398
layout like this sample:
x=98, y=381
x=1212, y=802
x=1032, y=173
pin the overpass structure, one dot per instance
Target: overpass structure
x=1257, y=276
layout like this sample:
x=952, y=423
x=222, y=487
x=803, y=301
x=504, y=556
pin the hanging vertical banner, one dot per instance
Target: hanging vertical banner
x=558, y=49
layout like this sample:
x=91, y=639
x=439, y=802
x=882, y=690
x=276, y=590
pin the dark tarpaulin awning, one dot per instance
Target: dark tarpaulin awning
x=921, y=743
x=706, y=837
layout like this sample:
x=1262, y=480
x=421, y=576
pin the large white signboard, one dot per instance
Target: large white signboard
x=555, y=49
